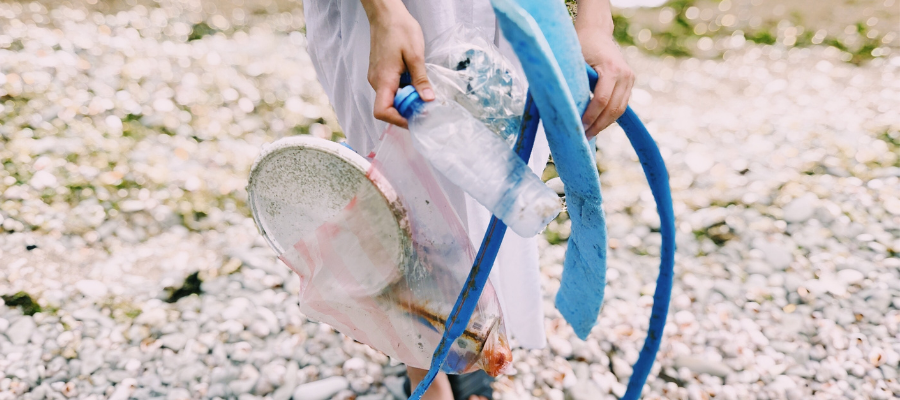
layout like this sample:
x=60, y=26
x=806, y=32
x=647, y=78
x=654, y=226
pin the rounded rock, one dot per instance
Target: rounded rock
x=91, y=288
x=322, y=389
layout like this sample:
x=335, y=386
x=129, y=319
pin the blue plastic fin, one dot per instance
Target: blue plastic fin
x=583, y=282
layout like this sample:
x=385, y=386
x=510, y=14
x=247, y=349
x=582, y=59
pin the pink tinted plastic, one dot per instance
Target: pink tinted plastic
x=387, y=269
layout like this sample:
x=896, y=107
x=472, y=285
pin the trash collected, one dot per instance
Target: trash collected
x=464, y=67
x=478, y=161
x=380, y=252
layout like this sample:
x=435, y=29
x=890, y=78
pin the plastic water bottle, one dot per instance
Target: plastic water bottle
x=479, y=161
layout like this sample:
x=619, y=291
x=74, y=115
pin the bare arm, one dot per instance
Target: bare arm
x=397, y=45
x=594, y=25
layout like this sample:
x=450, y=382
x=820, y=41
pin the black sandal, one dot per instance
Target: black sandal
x=477, y=383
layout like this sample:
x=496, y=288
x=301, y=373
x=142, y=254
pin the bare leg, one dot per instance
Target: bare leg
x=440, y=388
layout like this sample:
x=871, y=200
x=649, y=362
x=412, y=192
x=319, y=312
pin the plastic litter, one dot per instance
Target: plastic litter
x=478, y=161
x=379, y=267
x=464, y=67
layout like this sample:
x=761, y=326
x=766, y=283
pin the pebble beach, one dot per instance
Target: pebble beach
x=130, y=267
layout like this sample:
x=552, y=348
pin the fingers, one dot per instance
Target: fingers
x=611, y=97
x=614, y=108
x=396, y=45
x=385, y=89
x=602, y=95
x=415, y=64
x=386, y=81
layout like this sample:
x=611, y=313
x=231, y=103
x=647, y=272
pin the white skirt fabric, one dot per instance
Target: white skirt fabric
x=337, y=34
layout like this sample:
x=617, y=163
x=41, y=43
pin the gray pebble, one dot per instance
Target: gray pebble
x=92, y=288
x=557, y=185
x=19, y=332
x=322, y=389
x=174, y=341
x=178, y=394
x=394, y=385
x=560, y=346
x=777, y=255
x=699, y=365
x=801, y=208
x=583, y=390
x=889, y=372
x=91, y=361
x=850, y=276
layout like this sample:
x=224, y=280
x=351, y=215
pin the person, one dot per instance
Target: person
x=360, y=48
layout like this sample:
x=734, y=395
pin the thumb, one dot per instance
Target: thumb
x=416, y=67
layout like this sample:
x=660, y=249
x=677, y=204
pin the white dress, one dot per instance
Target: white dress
x=338, y=41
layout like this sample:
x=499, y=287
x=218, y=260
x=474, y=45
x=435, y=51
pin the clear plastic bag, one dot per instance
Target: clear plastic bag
x=387, y=268
x=468, y=154
x=478, y=93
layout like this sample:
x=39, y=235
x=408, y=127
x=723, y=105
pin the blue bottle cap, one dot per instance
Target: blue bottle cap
x=408, y=102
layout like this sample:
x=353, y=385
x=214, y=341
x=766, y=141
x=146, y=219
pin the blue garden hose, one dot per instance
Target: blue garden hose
x=658, y=178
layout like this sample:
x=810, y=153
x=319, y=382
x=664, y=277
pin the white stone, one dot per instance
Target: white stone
x=231, y=326
x=92, y=288
x=374, y=397
x=20, y=331
x=560, y=346
x=557, y=185
x=850, y=276
x=260, y=329
x=801, y=208
x=322, y=389
x=777, y=255
x=153, y=317
x=555, y=394
x=892, y=205
x=699, y=161
x=333, y=356
x=287, y=387
x=700, y=365
x=90, y=314
x=42, y=180
x=178, y=394
x=354, y=364
x=246, y=381
x=360, y=385
x=91, y=361
x=684, y=317
x=124, y=389
x=174, y=341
